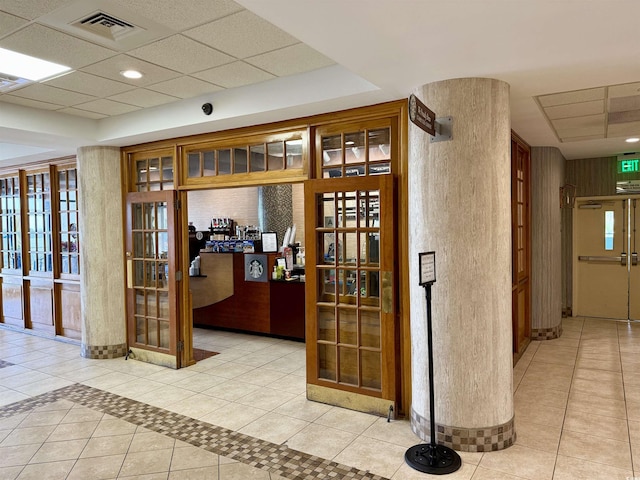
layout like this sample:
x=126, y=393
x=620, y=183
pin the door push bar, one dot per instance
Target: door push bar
x=622, y=259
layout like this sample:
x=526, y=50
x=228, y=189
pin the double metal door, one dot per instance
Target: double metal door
x=606, y=270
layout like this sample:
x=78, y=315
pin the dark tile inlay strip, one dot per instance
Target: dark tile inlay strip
x=5, y=364
x=277, y=459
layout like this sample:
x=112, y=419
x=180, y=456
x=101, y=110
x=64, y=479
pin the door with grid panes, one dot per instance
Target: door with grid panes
x=351, y=291
x=151, y=274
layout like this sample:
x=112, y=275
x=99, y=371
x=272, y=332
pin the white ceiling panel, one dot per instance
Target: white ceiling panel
x=623, y=129
x=107, y=107
x=182, y=14
x=44, y=93
x=184, y=87
x=31, y=9
x=9, y=23
x=582, y=139
x=572, y=97
x=624, y=104
x=181, y=54
x=82, y=113
x=141, y=97
x=290, y=60
x=580, y=122
x=594, y=131
x=575, y=109
x=625, y=90
x=112, y=67
x=28, y=102
x=89, y=84
x=242, y=35
x=234, y=74
x=54, y=46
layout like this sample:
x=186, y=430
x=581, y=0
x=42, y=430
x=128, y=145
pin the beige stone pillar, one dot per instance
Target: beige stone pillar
x=102, y=276
x=547, y=176
x=460, y=207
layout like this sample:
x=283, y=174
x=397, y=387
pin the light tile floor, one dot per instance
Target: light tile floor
x=577, y=402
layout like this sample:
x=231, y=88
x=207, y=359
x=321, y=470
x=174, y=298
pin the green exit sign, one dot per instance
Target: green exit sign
x=629, y=165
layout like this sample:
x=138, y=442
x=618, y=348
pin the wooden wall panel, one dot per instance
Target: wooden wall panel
x=41, y=306
x=12, y=303
x=69, y=310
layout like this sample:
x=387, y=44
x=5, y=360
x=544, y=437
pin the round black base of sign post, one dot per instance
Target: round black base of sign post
x=433, y=459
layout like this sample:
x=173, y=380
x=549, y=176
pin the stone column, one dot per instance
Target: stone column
x=547, y=176
x=460, y=207
x=102, y=275
x=275, y=209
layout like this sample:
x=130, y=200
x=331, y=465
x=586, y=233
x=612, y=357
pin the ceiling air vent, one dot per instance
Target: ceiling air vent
x=107, y=26
x=9, y=82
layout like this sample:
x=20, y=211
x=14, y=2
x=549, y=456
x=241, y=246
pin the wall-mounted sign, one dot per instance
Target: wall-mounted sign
x=427, y=268
x=422, y=116
x=628, y=186
x=628, y=165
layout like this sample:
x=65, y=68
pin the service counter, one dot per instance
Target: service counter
x=223, y=298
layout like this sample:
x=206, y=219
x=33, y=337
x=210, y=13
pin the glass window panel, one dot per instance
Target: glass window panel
x=209, y=164
x=152, y=333
x=150, y=277
x=72, y=200
x=167, y=186
x=331, y=172
x=332, y=150
x=371, y=365
x=348, y=321
x=152, y=305
x=370, y=287
x=257, y=158
x=75, y=265
x=163, y=273
x=141, y=169
x=379, y=144
x=224, y=162
x=163, y=245
x=326, y=323
x=138, y=244
x=65, y=267
x=369, y=328
x=137, y=216
x=327, y=361
x=167, y=168
x=162, y=216
x=373, y=244
x=141, y=333
x=349, y=211
x=64, y=205
x=349, y=282
x=354, y=147
x=328, y=248
x=149, y=216
x=240, y=160
x=379, y=168
x=327, y=282
x=294, y=153
x=62, y=180
x=608, y=229
x=164, y=334
x=163, y=305
x=72, y=178
x=193, y=162
x=329, y=210
x=348, y=365
x=350, y=246
x=155, y=187
x=138, y=270
x=150, y=245
x=140, y=302
x=275, y=156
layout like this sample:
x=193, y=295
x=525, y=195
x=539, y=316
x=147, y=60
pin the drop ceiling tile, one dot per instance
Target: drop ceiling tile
x=112, y=67
x=290, y=60
x=144, y=98
x=234, y=74
x=588, y=121
x=624, y=104
x=182, y=14
x=89, y=84
x=581, y=139
x=32, y=9
x=184, y=87
x=623, y=129
x=45, y=93
x=9, y=22
x=82, y=113
x=624, y=90
x=49, y=44
x=575, y=109
x=27, y=102
x=581, y=132
x=242, y=35
x=576, y=96
x=624, y=117
x=181, y=54
x=107, y=107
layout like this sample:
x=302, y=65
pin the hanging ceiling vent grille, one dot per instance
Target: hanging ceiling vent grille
x=9, y=82
x=107, y=26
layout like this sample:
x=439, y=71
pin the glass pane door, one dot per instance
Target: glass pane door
x=151, y=258
x=350, y=307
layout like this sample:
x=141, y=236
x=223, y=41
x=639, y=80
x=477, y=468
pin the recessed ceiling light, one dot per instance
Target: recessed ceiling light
x=131, y=74
x=632, y=140
x=26, y=66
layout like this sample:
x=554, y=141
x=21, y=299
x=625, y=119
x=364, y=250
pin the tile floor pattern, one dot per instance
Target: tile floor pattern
x=577, y=402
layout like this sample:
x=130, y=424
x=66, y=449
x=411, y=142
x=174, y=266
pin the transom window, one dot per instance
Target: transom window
x=11, y=245
x=359, y=153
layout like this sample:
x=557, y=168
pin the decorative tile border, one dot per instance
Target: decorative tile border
x=5, y=364
x=546, y=333
x=486, y=439
x=277, y=459
x=102, y=352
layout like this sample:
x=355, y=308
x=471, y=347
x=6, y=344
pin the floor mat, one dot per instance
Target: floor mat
x=199, y=354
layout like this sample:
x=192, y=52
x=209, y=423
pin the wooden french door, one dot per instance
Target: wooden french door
x=152, y=307
x=350, y=291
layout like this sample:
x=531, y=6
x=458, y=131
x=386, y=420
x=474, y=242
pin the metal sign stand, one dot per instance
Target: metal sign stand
x=430, y=457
